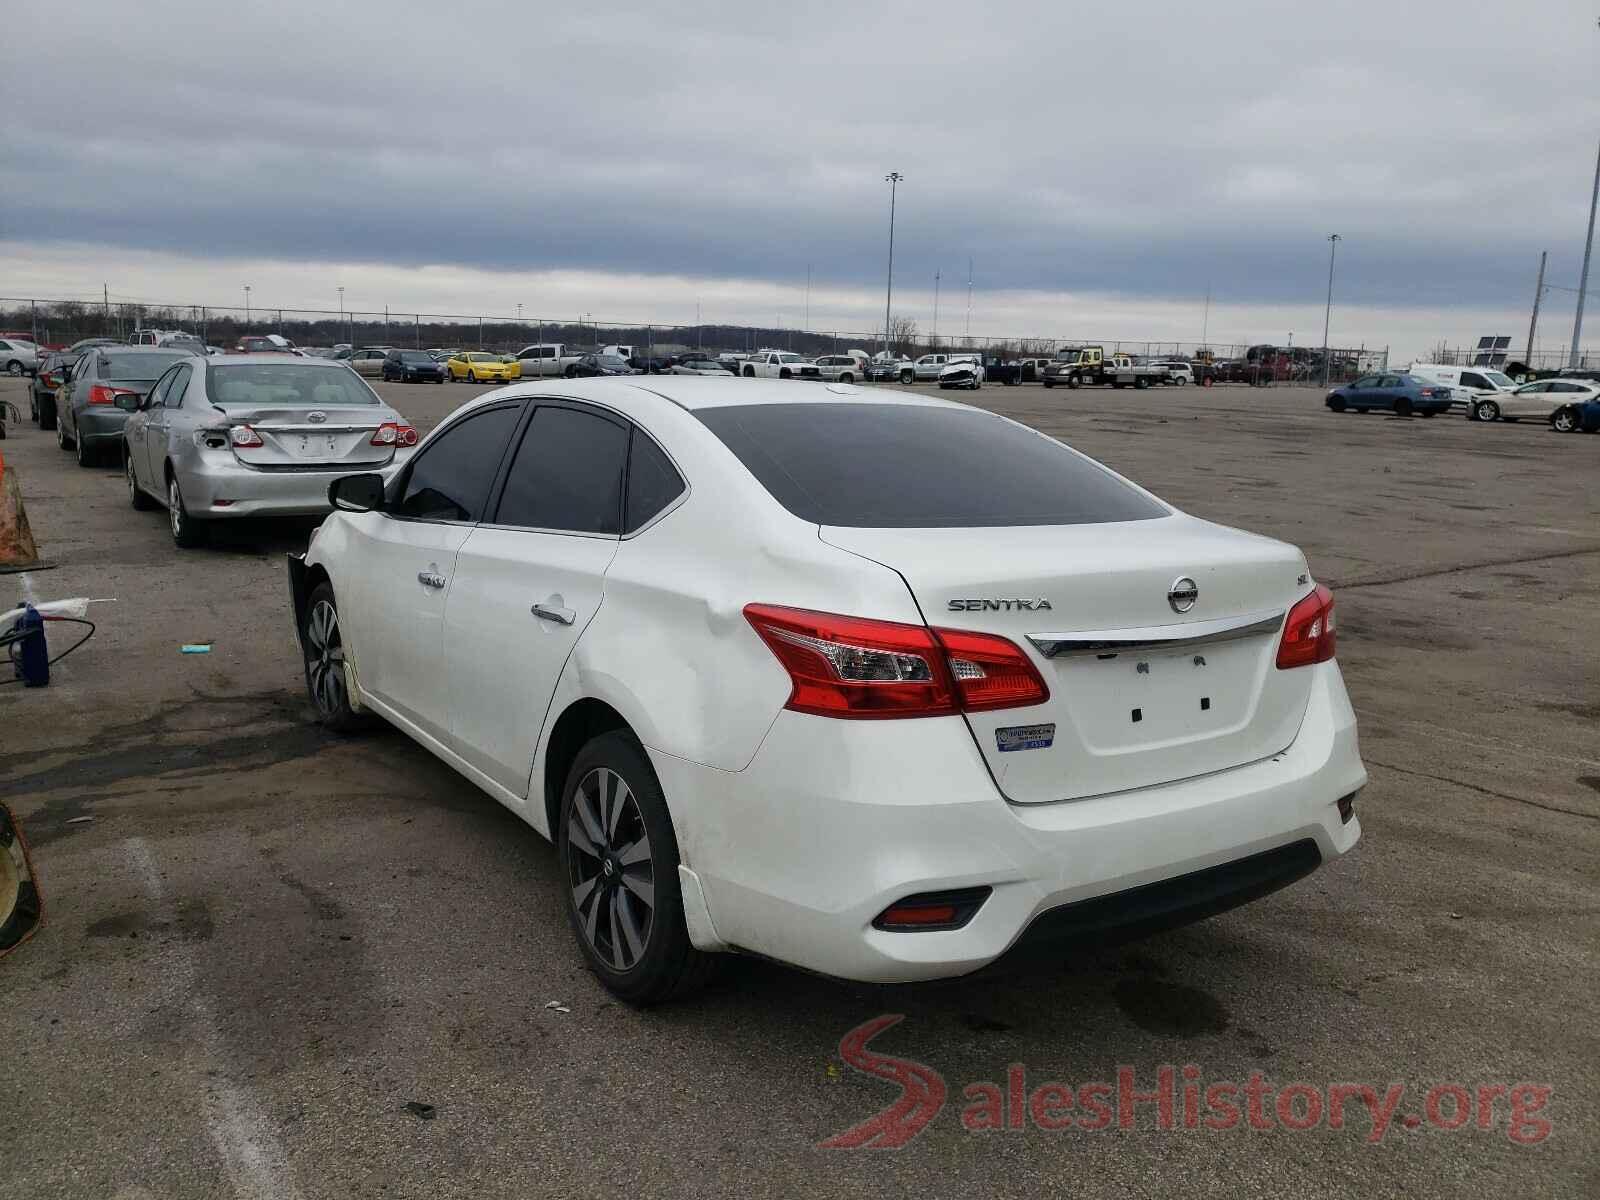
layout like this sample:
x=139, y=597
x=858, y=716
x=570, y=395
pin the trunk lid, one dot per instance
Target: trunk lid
x=1140, y=694
x=294, y=438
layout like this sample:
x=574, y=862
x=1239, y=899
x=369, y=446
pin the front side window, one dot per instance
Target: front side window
x=449, y=480
x=567, y=474
x=913, y=467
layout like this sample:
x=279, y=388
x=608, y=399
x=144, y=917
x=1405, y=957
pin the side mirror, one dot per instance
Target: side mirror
x=21, y=909
x=128, y=402
x=357, y=493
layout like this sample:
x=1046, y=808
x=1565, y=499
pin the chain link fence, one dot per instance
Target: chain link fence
x=53, y=322
x=1516, y=362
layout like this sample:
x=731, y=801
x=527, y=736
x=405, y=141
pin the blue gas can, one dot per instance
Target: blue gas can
x=30, y=655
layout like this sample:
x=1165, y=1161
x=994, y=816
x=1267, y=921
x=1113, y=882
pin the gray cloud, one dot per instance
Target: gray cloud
x=1129, y=151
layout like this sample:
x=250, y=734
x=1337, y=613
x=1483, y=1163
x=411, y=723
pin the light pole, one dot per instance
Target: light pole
x=935, y=310
x=340, y=334
x=1327, y=314
x=247, y=304
x=893, y=179
x=1583, y=277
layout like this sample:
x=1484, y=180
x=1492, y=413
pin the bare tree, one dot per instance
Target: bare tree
x=902, y=334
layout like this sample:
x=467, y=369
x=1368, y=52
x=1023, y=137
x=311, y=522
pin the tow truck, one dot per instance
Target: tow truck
x=1091, y=366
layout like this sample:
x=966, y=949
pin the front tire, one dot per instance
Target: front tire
x=1486, y=410
x=187, y=533
x=136, y=496
x=1565, y=420
x=620, y=874
x=1336, y=404
x=322, y=643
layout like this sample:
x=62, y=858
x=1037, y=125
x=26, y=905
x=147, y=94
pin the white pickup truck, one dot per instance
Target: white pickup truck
x=779, y=364
x=544, y=360
x=928, y=368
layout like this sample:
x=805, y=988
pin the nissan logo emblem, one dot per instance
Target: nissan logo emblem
x=1182, y=594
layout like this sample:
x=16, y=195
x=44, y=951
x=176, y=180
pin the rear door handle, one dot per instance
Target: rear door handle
x=547, y=612
x=431, y=579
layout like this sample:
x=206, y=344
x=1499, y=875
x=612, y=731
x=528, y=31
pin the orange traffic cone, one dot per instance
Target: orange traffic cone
x=17, y=549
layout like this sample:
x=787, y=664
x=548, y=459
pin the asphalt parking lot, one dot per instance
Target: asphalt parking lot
x=267, y=941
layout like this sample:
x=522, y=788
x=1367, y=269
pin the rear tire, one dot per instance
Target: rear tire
x=85, y=456
x=908, y=377
x=749, y=372
x=621, y=890
x=322, y=645
x=846, y=377
x=13, y=368
x=187, y=533
x=63, y=442
x=47, y=415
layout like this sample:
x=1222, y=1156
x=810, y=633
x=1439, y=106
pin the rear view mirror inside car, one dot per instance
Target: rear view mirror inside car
x=21, y=910
x=357, y=493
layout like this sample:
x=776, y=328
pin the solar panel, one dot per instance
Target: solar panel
x=1502, y=343
x=1485, y=343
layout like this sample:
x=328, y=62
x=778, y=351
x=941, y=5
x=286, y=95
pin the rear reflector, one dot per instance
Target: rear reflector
x=1308, y=634
x=857, y=668
x=927, y=911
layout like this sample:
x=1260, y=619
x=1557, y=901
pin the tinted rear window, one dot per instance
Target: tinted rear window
x=138, y=366
x=891, y=466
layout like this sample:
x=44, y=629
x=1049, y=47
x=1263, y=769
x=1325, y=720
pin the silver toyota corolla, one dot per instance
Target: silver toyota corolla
x=254, y=435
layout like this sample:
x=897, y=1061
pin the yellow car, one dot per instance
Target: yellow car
x=482, y=367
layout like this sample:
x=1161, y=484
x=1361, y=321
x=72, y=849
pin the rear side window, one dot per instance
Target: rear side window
x=450, y=479
x=909, y=467
x=567, y=474
x=177, y=385
x=653, y=482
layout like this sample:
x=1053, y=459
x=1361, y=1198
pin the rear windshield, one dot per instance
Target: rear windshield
x=291, y=384
x=139, y=366
x=415, y=356
x=891, y=466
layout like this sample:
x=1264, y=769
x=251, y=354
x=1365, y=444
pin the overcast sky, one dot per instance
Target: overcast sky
x=1102, y=166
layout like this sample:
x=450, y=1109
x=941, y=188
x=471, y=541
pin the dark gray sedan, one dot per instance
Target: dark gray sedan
x=92, y=403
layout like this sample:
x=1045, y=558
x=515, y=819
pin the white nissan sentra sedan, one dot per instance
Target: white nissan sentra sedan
x=879, y=685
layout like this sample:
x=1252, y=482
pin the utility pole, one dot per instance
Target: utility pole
x=1538, y=295
x=1205, y=321
x=1327, y=314
x=936, y=310
x=969, y=303
x=247, y=305
x=1583, y=276
x=893, y=179
x=808, y=296
x=105, y=292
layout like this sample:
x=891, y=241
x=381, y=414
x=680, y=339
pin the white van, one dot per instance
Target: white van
x=1466, y=384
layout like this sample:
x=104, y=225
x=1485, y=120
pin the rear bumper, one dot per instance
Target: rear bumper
x=218, y=486
x=833, y=821
x=100, y=425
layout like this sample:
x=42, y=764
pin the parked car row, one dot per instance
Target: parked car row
x=1483, y=395
x=213, y=437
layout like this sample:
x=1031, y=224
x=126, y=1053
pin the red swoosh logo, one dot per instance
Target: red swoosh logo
x=922, y=1091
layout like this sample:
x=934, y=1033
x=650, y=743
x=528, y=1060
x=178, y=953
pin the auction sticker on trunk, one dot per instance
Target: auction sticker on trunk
x=1024, y=737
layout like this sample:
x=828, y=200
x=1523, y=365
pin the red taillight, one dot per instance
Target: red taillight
x=990, y=672
x=48, y=379
x=1308, y=634
x=102, y=394
x=391, y=434
x=245, y=438
x=852, y=667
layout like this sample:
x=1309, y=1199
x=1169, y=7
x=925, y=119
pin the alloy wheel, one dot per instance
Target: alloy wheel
x=611, y=871
x=325, y=657
x=175, y=508
x=1565, y=421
